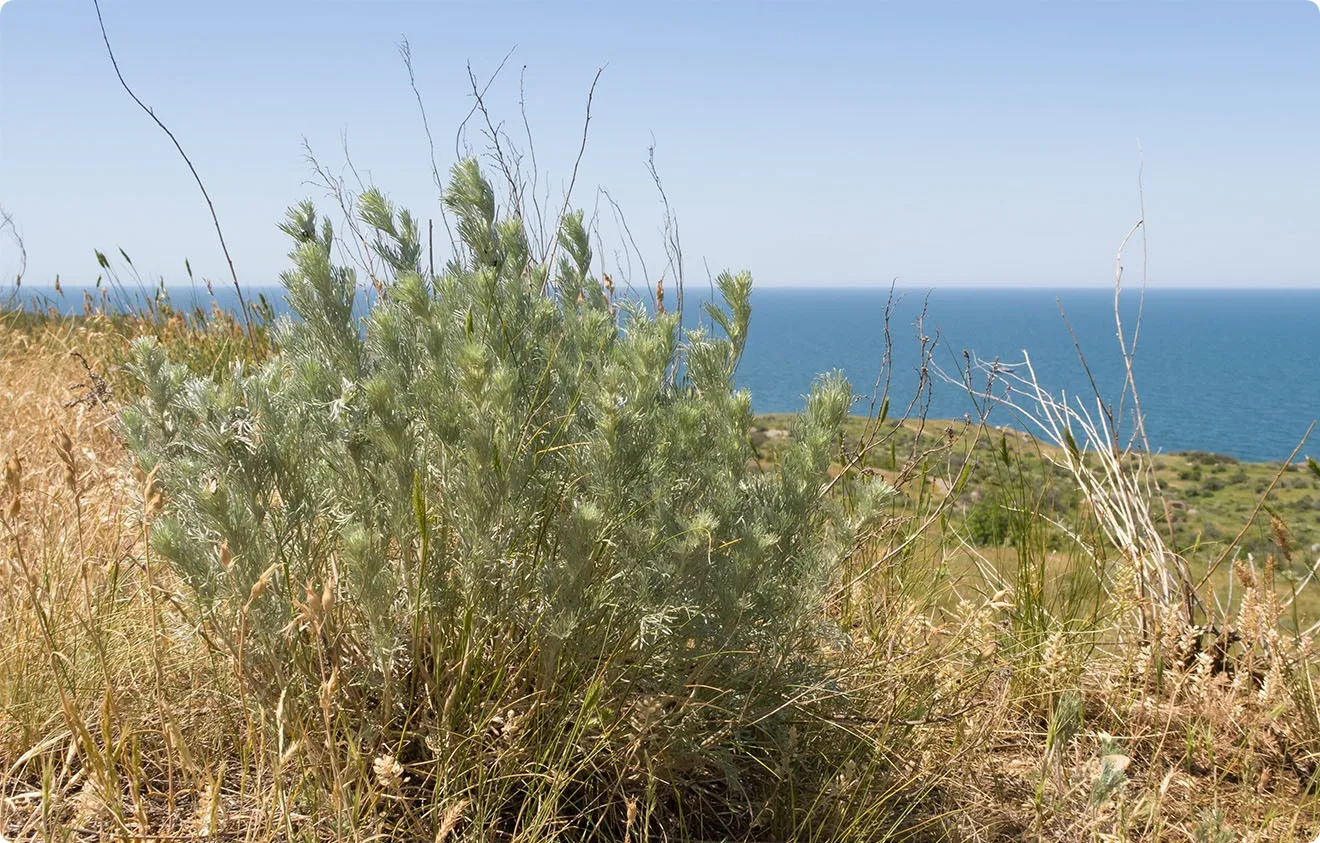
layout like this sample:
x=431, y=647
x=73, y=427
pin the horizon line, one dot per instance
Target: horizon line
x=789, y=285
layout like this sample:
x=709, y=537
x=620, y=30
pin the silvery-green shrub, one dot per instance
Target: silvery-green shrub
x=501, y=494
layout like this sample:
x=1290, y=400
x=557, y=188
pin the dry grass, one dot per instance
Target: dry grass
x=113, y=714
x=117, y=721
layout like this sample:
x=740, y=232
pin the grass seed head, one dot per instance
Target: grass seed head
x=153, y=498
x=64, y=450
x=450, y=819
x=389, y=772
x=13, y=482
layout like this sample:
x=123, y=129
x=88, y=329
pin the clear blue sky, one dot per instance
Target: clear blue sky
x=811, y=142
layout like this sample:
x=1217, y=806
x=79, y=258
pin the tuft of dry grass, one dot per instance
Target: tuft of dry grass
x=112, y=710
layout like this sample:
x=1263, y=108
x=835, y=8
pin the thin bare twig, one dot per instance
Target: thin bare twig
x=531, y=150
x=508, y=162
x=1086, y=366
x=405, y=51
x=1145, y=273
x=7, y=224
x=94, y=390
x=220, y=235
x=462, y=126
x=673, y=245
x=1129, y=383
x=335, y=188
x=1255, y=513
x=621, y=220
x=582, y=148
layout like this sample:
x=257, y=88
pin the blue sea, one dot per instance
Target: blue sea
x=1229, y=371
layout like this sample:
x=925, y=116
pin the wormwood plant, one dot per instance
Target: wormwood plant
x=499, y=549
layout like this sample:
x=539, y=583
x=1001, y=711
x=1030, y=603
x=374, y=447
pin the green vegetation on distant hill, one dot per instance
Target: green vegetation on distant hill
x=1209, y=497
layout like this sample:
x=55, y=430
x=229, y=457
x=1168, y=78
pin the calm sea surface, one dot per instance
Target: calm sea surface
x=1230, y=371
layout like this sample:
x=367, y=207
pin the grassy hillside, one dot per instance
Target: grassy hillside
x=1204, y=500
x=1003, y=683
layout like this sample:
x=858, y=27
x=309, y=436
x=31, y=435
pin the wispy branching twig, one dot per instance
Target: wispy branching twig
x=582, y=148
x=7, y=224
x=405, y=52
